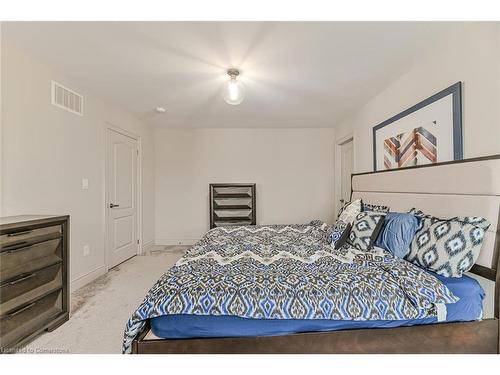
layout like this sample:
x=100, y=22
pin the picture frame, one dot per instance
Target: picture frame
x=428, y=132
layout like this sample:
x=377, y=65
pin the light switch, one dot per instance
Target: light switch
x=86, y=250
x=85, y=183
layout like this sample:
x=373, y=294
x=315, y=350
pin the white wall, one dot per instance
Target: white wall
x=293, y=170
x=46, y=151
x=471, y=56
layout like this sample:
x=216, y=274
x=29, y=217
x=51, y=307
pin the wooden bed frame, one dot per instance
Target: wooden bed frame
x=480, y=336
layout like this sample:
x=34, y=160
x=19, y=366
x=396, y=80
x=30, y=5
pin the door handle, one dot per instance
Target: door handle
x=111, y=205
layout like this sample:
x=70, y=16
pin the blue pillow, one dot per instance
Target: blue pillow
x=397, y=232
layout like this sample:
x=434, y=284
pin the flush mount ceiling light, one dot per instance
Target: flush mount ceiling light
x=234, y=90
x=160, y=110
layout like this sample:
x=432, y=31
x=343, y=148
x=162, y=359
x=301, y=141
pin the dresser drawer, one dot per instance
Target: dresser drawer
x=29, y=286
x=18, y=323
x=29, y=237
x=22, y=260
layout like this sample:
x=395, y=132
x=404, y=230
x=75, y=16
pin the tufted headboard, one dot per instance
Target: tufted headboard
x=469, y=187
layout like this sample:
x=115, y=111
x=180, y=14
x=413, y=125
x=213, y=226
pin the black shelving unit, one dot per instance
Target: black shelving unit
x=232, y=204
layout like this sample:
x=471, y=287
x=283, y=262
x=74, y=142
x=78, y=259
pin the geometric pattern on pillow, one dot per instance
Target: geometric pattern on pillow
x=477, y=221
x=365, y=229
x=448, y=247
x=338, y=234
x=374, y=207
x=350, y=211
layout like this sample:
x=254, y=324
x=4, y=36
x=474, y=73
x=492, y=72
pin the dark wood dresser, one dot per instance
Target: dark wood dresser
x=232, y=204
x=33, y=277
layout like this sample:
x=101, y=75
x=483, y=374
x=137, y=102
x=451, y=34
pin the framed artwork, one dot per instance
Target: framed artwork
x=428, y=132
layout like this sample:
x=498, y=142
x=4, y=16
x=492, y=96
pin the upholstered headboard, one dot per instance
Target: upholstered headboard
x=469, y=187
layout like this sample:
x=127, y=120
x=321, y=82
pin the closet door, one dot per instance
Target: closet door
x=122, y=241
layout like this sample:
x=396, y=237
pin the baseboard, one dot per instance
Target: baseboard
x=172, y=241
x=87, y=278
x=146, y=245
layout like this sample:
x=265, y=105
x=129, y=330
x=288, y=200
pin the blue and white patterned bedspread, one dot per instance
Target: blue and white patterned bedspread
x=288, y=272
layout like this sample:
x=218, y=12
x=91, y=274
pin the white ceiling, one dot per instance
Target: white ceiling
x=297, y=74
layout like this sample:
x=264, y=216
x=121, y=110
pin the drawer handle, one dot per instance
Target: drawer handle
x=11, y=315
x=19, y=233
x=19, y=249
x=21, y=279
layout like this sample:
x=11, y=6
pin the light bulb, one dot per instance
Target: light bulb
x=234, y=91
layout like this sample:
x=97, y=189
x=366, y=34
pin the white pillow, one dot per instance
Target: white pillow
x=350, y=211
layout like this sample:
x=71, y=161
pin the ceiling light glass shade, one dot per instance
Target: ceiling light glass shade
x=234, y=92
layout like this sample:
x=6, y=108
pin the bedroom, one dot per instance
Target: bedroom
x=274, y=164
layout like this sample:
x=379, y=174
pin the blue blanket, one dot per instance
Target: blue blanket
x=289, y=272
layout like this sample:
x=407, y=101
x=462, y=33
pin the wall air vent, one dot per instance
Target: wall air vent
x=67, y=99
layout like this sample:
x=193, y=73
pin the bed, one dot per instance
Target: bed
x=274, y=299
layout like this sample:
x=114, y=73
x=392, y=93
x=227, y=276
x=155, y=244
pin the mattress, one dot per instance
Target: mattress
x=182, y=326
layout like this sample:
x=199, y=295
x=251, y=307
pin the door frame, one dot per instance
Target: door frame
x=337, y=170
x=112, y=128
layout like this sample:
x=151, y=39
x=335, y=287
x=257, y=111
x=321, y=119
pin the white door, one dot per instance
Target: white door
x=122, y=241
x=346, y=169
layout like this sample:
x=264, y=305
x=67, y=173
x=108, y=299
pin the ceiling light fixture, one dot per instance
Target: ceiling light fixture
x=160, y=110
x=234, y=90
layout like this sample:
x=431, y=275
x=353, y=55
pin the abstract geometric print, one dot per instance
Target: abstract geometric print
x=288, y=272
x=418, y=146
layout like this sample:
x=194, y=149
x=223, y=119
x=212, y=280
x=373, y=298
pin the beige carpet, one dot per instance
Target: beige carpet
x=101, y=309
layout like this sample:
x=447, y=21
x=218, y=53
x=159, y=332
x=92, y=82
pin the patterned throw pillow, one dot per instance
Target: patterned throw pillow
x=374, y=207
x=365, y=229
x=350, y=211
x=448, y=247
x=344, y=205
x=477, y=221
x=339, y=234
